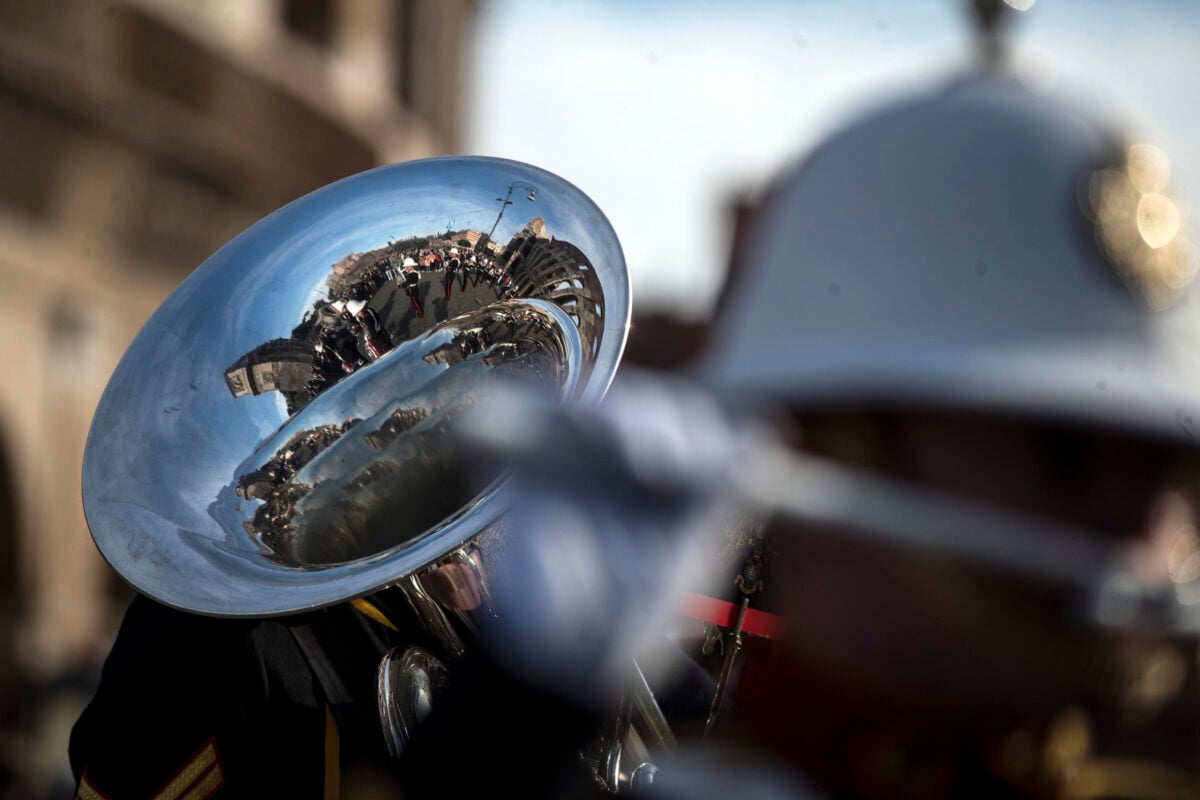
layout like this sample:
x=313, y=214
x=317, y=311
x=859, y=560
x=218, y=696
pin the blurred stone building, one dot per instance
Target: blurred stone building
x=140, y=136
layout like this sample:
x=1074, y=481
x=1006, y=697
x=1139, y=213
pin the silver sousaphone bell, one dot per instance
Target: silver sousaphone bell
x=280, y=436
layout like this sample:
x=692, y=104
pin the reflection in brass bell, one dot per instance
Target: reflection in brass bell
x=281, y=435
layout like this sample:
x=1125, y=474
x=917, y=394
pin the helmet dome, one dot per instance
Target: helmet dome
x=963, y=249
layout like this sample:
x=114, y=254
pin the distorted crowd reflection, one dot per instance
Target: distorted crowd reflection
x=464, y=300
x=400, y=469
x=362, y=316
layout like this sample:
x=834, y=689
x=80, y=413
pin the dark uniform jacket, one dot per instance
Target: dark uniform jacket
x=192, y=707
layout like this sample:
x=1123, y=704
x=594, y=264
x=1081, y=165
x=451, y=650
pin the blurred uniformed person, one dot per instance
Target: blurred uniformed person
x=452, y=265
x=971, y=317
x=977, y=307
x=412, y=285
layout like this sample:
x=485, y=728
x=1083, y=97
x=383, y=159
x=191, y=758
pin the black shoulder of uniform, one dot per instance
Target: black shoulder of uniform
x=189, y=704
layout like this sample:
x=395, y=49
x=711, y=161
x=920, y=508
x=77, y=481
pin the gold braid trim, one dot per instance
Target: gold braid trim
x=371, y=610
x=188, y=774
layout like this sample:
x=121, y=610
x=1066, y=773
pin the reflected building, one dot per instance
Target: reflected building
x=140, y=136
x=350, y=270
x=534, y=230
x=468, y=238
x=282, y=365
x=554, y=270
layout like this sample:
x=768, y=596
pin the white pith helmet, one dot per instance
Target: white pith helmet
x=410, y=262
x=977, y=247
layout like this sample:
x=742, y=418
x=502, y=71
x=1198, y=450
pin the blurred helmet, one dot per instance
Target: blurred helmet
x=979, y=246
x=410, y=262
x=981, y=299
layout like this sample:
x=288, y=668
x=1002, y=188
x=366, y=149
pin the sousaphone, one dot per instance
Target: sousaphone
x=282, y=433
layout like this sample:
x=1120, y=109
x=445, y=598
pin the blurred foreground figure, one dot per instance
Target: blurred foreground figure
x=971, y=317
x=972, y=314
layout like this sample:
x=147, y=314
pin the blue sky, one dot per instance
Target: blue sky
x=662, y=111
